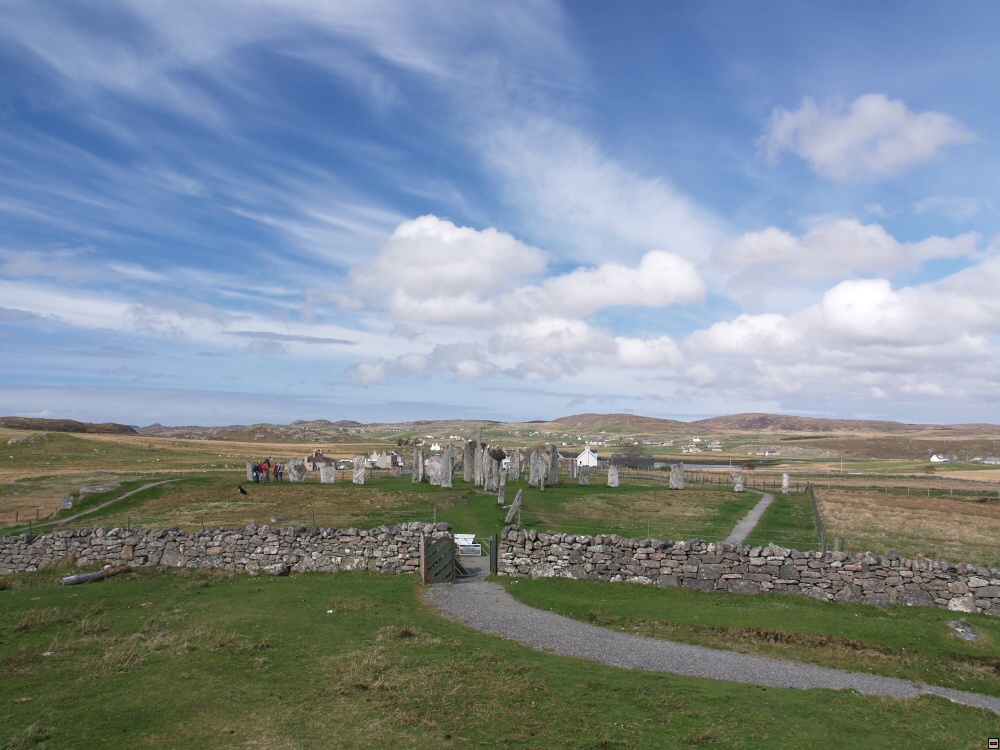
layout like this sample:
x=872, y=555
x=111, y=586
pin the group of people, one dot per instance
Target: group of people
x=262, y=471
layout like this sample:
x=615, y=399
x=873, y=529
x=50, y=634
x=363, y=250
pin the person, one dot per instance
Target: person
x=279, y=472
x=265, y=469
x=256, y=473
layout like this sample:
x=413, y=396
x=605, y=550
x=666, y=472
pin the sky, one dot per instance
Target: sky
x=221, y=211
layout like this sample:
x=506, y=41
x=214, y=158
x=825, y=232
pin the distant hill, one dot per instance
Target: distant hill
x=66, y=425
x=757, y=422
x=632, y=422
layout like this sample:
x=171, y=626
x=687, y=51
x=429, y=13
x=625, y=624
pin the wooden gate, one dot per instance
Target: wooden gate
x=437, y=559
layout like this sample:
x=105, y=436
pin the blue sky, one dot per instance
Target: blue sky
x=231, y=212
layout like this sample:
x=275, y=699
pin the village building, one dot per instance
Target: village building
x=317, y=461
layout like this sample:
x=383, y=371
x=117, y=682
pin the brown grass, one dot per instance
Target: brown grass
x=915, y=526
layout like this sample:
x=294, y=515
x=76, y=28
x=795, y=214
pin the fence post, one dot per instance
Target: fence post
x=494, y=553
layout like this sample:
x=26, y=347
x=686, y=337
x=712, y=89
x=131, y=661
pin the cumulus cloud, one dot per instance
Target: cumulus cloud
x=864, y=339
x=429, y=257
x=830, y=249
x=873, y=138
x=432, y=271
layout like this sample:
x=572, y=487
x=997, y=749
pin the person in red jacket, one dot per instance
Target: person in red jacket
x=265, y=469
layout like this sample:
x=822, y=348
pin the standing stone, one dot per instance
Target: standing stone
x=737, y=481
x=677, y=477
x=584, y=477
x=573, y=469
x=432, y=468
x=478, y=463
x=612, y=476
x=468, y=462
x=66, y=503
x=249, y=471
x=327, y=474
x=516, y=459
x=448, y=466
x=553, y=477
x=360, y=471
x=295, y=470
x=515, y=507
x=417, y=471
x=784, y=484
x=533, y=469
x=502, y=491
x=491, y=472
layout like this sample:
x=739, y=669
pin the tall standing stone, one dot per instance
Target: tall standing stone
x=491, y=472
x=468, y=462
x=417, y=470
x=553, y=477
x=295, y=470
x=612, y=476
x=360, y=470
x=516, y=459
x=328, y=474
x=737, y=481
x=584, y=476
x=539, y=470
x=478, y=462
x=502, y=491
x=573, y=469
x=784, y=484
x=448, y=466
x=677, y=477
x=249, y=471
x=515, y=507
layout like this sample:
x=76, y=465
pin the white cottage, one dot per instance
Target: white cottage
x=587, y=457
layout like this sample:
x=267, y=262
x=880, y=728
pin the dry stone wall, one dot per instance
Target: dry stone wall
x=385, y=549
x=833, y=576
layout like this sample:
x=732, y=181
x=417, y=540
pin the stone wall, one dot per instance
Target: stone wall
x=837, y=576
x=386, y=549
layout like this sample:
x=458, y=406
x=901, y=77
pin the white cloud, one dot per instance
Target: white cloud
x=865, y=339
x=875, y=137
x=830, y=249
x=958, y=208
x=428, y=257
x=434, y=272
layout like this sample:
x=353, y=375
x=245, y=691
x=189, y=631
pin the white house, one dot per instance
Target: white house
x=937, y=458
x=587, y=457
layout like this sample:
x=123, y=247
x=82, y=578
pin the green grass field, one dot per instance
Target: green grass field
x=202, y=659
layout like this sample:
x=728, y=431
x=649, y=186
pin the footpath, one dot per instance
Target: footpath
x=486, y=606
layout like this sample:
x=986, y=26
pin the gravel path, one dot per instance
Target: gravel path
x=96, y=508
x=487, y=607
x=743, y=528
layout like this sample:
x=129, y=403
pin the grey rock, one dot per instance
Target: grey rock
x=963, y=630
x=360, y=470
x=468, y=461
x=677, y=477
x=295, y=469
x=515, y=507
x=277, y=569
x=583, y=478
x=417, y=470
x=553, y=477
x=328, y=474
x=66, y=503
x=784, y=484
x=613, y=476
x=447, y=472
x=737, y=481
